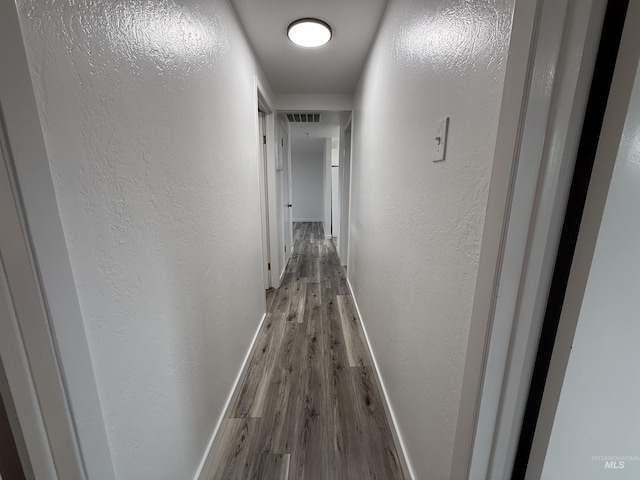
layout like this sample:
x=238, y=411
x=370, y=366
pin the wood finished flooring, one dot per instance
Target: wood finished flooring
x=309, y=407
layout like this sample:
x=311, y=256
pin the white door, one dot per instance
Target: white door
x=287, y=196
x=264, y=200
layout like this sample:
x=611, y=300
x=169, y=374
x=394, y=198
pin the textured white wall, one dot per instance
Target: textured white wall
x=282, y=234
x=597, y=414
x=307, y=170
x=416, y=226
x=148, y=111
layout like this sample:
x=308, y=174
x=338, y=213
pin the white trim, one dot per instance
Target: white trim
x=26, y=321
x=267, y=102
x=338, y=254
x=288, y=241
x=566, y=42
x=276, y=242
x=517, y=72
x=607, y=150
x=20, y=388
x=327, y=237
x=263, y=99
x=41, y=280
x=283, y=273
x=407, y=468
x=314, y=220
x=204, y=468
x=264, y=193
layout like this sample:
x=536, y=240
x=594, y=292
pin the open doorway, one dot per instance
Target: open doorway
x=317, y=177
x=308, y=182
x=275, y=189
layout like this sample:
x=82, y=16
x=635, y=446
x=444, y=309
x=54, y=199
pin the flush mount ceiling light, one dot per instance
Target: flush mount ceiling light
x=309, y=32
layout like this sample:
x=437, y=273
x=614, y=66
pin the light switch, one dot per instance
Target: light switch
x=440, y=140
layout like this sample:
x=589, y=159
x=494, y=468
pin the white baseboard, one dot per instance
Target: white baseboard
x=283, y=272
x=318, y=220
x=407, y=469
x=327, y=237
x=203, y=472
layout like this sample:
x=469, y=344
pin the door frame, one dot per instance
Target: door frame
x=618, y=62
x=20, y=390
x=264, y=196
x=40, y=298
x=538, y=134
x=266, y=160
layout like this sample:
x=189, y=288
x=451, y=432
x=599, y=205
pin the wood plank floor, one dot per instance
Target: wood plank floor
x=309, y=407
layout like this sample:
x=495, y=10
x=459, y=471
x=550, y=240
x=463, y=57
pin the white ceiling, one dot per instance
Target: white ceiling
x=332, y=69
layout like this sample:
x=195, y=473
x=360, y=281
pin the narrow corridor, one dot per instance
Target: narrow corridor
x=309, y=406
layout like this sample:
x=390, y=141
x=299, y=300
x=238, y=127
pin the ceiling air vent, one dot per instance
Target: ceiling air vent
x=304, y=117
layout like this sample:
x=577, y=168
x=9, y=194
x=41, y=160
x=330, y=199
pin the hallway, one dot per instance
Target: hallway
x=309, y=406
x=154, y=157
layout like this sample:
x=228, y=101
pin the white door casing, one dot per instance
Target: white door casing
x=264, y=197
x=563, y=46
x=40, y=281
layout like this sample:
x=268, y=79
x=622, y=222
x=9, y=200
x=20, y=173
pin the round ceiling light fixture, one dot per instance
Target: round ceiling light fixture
x=309, y=32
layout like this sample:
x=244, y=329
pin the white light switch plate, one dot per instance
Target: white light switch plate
x=440, y=140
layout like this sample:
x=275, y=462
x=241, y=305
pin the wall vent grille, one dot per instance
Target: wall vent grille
x=304, y=117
